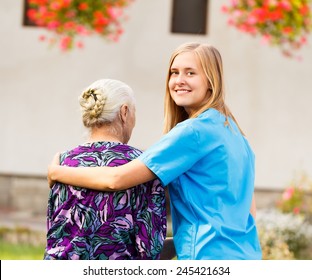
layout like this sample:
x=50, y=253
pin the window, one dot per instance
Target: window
x=189, y=16
x=26, y=20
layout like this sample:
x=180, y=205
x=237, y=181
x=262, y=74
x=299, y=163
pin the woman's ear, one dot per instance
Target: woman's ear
x=123, y=112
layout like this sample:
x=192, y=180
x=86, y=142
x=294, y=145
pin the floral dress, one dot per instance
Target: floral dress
x=91, y=225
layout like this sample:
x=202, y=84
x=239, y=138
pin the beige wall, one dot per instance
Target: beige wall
x=29, y=195
x=269, y=94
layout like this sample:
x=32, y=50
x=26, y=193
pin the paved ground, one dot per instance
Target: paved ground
x=19, y=219
x=12, y=219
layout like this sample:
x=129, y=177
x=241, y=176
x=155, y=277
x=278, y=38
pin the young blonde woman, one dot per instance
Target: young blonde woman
x=204, y=159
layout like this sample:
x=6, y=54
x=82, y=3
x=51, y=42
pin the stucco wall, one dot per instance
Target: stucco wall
x=269, y=94
x=29, y=195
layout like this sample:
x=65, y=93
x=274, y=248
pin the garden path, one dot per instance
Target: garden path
x=22, y=219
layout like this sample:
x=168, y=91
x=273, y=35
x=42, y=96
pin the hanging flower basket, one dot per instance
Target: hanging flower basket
x=282, y=23
x=69, y=20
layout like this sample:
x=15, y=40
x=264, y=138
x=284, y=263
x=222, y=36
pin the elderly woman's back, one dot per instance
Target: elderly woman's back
x=88, y=224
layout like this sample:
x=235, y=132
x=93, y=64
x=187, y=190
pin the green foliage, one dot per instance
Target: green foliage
x=21, y=243
x=69, y=19
x=296, y=198
x=284, y=236
x=286, y=231
x=11, y=251
x=283, y=23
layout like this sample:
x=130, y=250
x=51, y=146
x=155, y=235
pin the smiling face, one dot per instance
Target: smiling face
x=188, y=84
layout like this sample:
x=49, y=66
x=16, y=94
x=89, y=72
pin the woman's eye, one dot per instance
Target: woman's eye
x=190, y=73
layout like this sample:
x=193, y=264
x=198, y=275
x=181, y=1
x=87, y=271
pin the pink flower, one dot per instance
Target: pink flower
x=66, y=3
x=266, y=39
x=237, y=13
x=53, y=25
x=65, y=43
x=288, y=193
x=285, y=5
x=83, y=6
x=231, y=21
x=303, y=40
x=304, y=10
x=114, y=13
x=42, y=9
x=80, y=45
x=287, y=29
x=296, y=210
x=69, y=19
x=55, y=6
x=299, y=58
x=234, y=2
x=70, y=25
x=113, y=37
x=81, y=30
x=70, y=14
x=282, y=23
x=251, y=20
x=42, y=38
x=32, y=14
x=224, y=9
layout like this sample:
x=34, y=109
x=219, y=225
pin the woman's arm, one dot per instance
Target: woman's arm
x=100, y=178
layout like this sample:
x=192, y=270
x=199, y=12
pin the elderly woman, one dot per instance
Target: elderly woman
x=91, y=225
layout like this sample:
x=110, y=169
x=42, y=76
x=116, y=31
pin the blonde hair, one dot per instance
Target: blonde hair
x=100, y=102
x=211, y=63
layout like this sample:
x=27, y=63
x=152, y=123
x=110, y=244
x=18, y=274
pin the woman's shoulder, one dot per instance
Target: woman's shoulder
x=130, y=147
x=86, y=151
x=209, y=118
x=100, y=146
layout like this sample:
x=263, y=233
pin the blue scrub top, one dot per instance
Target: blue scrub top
x=209, y=168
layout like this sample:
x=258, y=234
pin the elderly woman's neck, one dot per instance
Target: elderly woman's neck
x=107, y=133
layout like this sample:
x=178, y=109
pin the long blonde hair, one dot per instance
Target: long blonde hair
x=211, y=63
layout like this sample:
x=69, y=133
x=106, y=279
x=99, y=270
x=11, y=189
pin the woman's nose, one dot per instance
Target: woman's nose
x=180, y=79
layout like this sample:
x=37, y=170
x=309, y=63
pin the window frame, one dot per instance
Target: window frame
x=181, y=9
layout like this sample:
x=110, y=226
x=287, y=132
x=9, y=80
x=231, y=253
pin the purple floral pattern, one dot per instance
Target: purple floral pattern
x=91, y=225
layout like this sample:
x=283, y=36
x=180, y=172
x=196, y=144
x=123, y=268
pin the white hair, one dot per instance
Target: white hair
x=100, y=102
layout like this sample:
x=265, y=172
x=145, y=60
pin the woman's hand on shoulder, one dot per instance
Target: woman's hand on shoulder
x=54, y=163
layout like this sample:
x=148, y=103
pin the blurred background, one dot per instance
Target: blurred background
x=268, y=91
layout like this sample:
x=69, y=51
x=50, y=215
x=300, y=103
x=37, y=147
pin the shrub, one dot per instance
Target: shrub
x=284, y=235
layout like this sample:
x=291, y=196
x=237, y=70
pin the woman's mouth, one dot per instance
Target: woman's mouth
x=182, y=91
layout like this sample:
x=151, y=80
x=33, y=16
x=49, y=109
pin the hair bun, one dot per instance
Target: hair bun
x=101, y=101
x=92, y=104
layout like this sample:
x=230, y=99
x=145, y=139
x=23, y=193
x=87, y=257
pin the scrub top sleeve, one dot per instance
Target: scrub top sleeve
x=173, y=154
